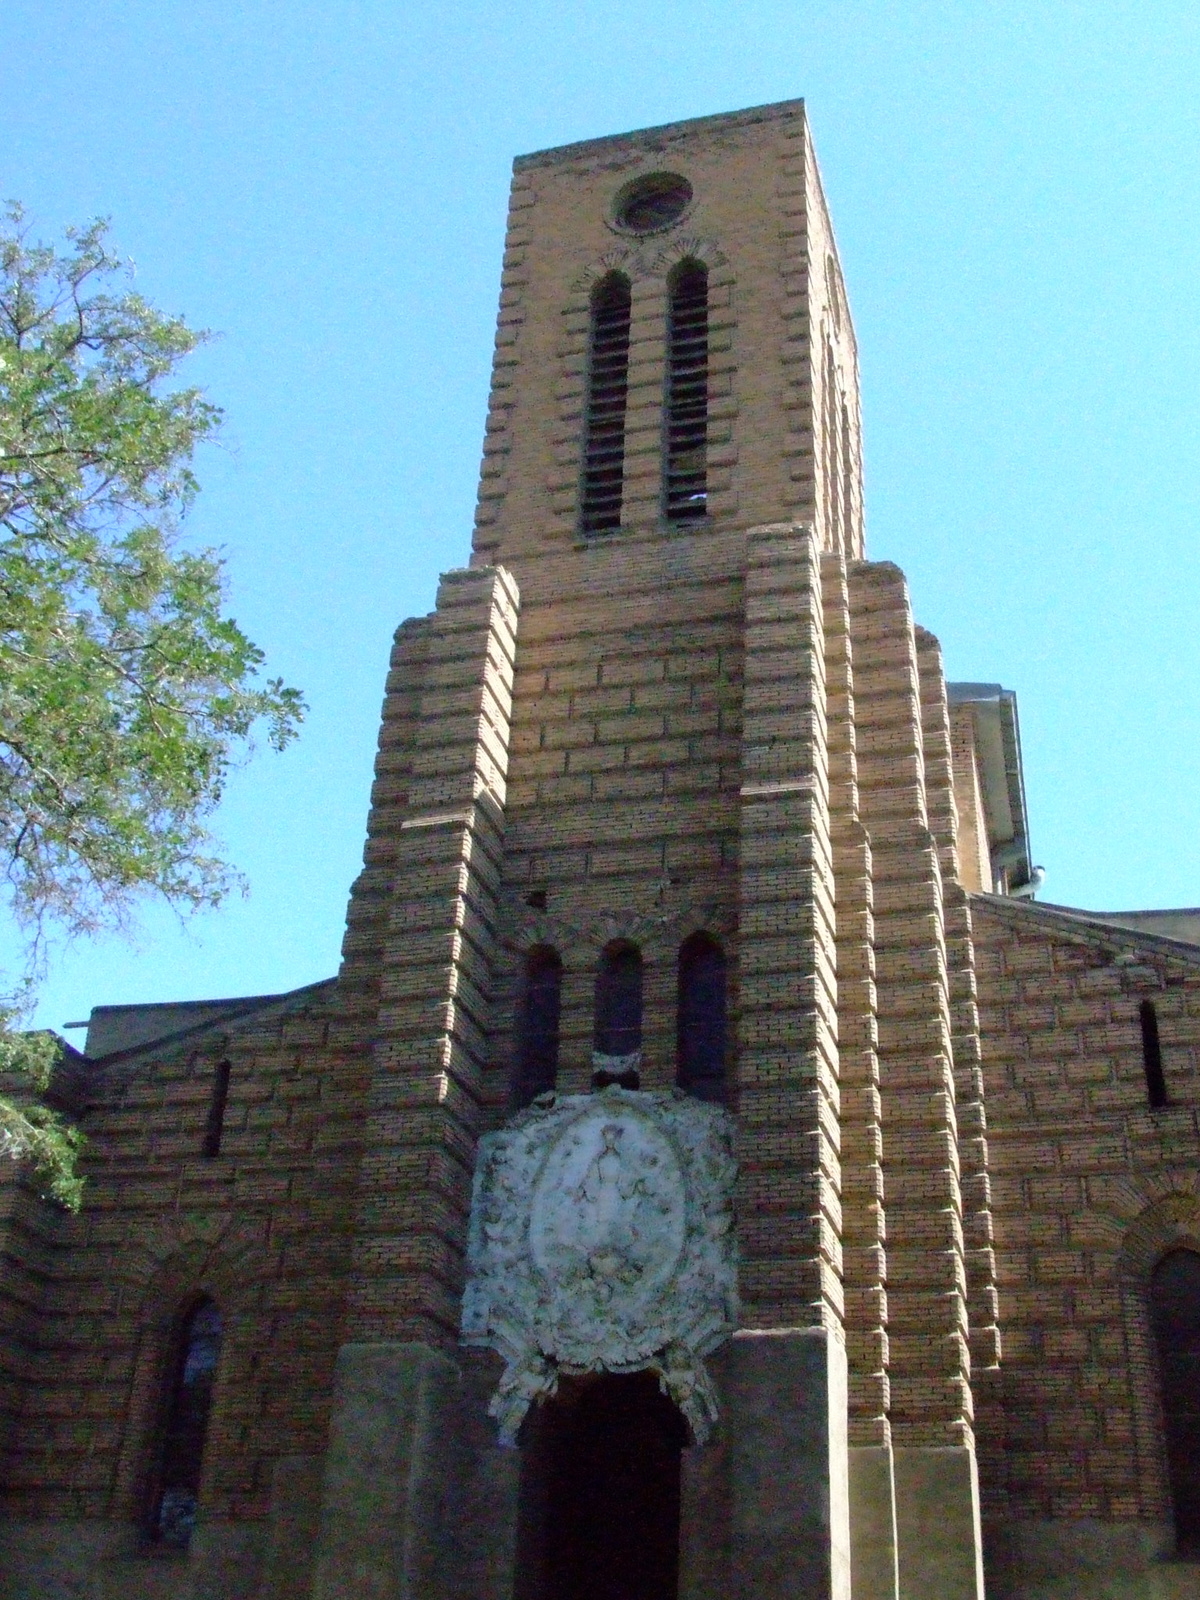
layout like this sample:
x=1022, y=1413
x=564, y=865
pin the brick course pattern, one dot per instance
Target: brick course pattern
x=1089, y=1188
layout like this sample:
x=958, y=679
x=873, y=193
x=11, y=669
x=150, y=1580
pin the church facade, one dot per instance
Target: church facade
x=710, y=1172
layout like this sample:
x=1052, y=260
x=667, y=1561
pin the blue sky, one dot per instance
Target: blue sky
x=1016, y=191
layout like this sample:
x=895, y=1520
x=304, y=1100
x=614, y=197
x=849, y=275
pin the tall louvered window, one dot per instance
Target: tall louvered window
x=536, y=1064
x=608, y=388
x=686, y=467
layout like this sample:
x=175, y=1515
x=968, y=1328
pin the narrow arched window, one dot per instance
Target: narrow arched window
x=188, y=1404
x=215, y=1126
x=619, y=1001
x=700, y=1034
x=604, y=421
x=536, y=1057
x=1175, y=1311
x=686, y=467
x=1156, y=1082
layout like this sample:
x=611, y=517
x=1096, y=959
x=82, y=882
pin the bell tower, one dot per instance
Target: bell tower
x=662, y=896
x=735, y=204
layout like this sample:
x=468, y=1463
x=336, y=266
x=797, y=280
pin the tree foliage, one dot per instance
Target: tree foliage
x=126, y=692
x=30, y=1130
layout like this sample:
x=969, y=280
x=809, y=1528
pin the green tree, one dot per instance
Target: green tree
x=126, y=692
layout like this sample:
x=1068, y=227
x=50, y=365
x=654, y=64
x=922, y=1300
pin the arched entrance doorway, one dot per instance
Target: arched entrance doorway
x=599, y=1508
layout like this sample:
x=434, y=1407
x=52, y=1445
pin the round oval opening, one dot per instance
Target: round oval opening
x=652, y=202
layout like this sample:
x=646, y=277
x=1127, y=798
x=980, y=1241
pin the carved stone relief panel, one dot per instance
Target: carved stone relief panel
x=602, y=1239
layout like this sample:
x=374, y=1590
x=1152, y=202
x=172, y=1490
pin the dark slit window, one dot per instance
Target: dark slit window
x=1175, y=1309
x=1156, y=1083
x=216, y=1111
x=536, y=1064
x=188, y=1406
x=619, y=1001
x=700, y=1039
x=687, y=394
x=608, y=386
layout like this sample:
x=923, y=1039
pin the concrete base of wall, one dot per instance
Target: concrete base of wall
x=419, y=1501
x=296, y=1487
x=102, y=1561
x=1083, y=1559
x=789, y=1515
x=386, y=1528
x=873, y=1571
x=704, y=1520
x=489, y=1488
x=939, y=1542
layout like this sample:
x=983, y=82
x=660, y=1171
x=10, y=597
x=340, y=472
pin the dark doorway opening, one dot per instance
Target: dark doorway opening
x=599, y=1510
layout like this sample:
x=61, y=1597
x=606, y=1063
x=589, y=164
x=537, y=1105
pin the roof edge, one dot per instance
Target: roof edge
x=238, y=1012
x=776, y=111
x=1084, y=926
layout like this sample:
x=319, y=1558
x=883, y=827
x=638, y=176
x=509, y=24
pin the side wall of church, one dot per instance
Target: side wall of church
x=262, y=1228
x=1090, y=1187
x=29, y=1230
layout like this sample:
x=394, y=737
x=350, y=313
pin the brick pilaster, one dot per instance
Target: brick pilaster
x=434, y=986
x=373, y=889
x=863, y=1235
x=927, y=1314
x=790, y=1213
x=970, y=1114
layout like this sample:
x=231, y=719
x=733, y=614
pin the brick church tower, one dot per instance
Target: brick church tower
x=670, y=706
x=617, y=1224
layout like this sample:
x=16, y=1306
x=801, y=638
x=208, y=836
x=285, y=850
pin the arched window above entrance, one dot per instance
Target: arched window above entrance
x=536, y=1056
x=1175, y=1312
x=619, y=1000
x=700, y=1030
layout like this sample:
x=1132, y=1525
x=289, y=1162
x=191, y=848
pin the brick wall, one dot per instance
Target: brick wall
x=263, y=1227
x=1089, y=1187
